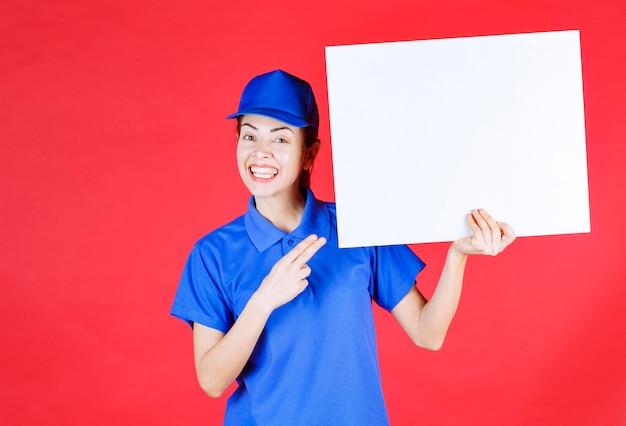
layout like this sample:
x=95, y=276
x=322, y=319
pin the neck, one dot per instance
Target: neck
x=283, y=212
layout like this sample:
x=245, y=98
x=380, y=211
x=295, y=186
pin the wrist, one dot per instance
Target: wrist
x=259, y=305
x=456, y=253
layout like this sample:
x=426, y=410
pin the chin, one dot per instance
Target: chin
x=260, y=191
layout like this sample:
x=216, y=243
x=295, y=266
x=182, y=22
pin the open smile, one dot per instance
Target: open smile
x=263, y=172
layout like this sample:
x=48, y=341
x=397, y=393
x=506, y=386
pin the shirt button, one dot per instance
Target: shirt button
x=290, y=242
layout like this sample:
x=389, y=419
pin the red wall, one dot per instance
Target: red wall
x=116, y=157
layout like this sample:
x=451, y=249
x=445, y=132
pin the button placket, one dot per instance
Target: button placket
x=289, y=242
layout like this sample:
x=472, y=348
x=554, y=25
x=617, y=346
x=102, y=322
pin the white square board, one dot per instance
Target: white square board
x=424, y=131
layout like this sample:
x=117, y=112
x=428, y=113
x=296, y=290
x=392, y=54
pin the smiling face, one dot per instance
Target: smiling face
x=270, y=157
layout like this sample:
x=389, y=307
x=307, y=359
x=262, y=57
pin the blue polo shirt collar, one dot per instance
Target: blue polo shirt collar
x=263, y=234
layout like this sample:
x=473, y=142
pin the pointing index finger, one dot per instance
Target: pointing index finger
x=305, y=249
x=308, y=253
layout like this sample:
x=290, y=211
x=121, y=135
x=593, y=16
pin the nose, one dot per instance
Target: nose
x=263, y=149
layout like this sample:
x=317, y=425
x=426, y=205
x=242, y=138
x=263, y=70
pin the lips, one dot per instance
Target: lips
x=263, y=172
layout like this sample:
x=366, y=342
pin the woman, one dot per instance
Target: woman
x=278, y=307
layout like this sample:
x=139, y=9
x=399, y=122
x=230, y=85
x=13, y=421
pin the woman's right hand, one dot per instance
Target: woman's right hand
x=220, y=357
x=288, y=277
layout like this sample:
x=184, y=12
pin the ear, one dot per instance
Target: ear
x=309, y=155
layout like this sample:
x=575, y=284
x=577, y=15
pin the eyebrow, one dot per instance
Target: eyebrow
x=276, y=129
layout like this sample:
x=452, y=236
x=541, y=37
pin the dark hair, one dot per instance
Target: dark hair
x=310, y=137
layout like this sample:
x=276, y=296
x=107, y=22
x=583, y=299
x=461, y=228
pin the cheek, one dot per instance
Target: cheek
x=241, y=165
x=295, y=160
x=241, y=154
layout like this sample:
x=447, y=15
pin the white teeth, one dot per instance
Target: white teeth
x=263, y=172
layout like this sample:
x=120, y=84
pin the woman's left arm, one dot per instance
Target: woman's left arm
x=427, y=322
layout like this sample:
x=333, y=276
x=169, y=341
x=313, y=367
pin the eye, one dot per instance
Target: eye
x=281, y=140
x=248, y=138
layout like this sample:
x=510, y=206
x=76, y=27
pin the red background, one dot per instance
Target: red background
x=116, y=157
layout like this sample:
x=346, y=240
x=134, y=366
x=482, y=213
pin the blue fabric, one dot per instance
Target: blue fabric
x=316, y=363
x=282, y=96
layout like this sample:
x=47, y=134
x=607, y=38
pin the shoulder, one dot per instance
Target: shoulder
x=223, y=237
x=332, y=208
x=326, y=206
x=218, y=254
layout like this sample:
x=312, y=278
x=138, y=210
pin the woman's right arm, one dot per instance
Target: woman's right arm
x=220, y=358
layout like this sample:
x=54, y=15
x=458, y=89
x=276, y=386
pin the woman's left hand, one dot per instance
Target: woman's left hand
x=489, y=237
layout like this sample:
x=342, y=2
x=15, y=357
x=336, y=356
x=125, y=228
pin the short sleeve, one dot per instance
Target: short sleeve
x=200, y=297
x=394, y=272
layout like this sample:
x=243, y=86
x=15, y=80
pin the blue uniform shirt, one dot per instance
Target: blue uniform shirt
x=316, y=362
